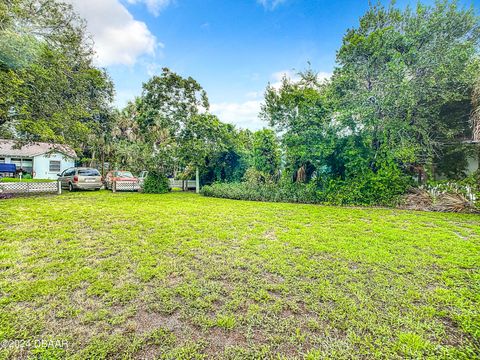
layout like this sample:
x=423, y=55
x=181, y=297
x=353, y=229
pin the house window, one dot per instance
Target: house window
x=2, y=160
x=17, y=162
x=54, y=166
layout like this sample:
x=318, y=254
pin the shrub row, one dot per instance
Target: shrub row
x=298, y=193
x=346, y=194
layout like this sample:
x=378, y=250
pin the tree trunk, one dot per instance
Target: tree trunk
x=478, y=157
x=103, y=162
x=92, y=161
x=301, y=174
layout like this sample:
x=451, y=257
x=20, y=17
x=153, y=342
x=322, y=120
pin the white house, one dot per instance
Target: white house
x=41, y=160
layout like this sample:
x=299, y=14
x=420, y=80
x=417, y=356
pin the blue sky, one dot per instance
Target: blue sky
x=232, y=48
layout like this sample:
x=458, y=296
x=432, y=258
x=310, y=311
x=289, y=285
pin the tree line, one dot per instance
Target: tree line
x=399, y=108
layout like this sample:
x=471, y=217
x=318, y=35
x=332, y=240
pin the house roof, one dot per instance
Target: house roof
x=13, y=148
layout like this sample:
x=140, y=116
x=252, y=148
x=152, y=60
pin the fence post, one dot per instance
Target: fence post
x=197, y=180
x=59, y=187
x=114, y=186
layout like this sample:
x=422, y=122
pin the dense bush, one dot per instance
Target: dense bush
x=156, y=183
x=288, y=192
x=383, y=187
x=336, y=193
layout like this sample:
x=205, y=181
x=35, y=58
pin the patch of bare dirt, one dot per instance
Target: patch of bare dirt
x=270, y=235
x=146, y=322
x=219, y=339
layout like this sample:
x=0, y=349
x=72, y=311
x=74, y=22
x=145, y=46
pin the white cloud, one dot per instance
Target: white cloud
x=278, y=76
x=153, y=69
x=253, y=95
x=122, y=97
x=244, y=115
x=270, y=4
x=323, y=76
x=153, y=6
x=119, y=38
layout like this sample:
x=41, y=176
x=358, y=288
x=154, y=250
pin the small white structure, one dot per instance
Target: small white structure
x=41, y=160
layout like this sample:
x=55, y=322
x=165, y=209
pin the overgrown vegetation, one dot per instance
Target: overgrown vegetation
x=389, y=112
x=129, y=276
x=155, y=183
x=289, y=192
x=389, y=118
x=49, y=88
x=400, y=109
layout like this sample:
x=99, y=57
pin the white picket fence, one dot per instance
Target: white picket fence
x=125, y=186
x=29, y=187
x=182, y=184
x=465, y=190
x=134, y=186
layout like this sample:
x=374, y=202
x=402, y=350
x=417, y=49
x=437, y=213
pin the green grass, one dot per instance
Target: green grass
x=180, y=276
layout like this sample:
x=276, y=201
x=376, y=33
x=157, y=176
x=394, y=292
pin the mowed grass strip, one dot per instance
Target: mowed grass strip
x=178, y=275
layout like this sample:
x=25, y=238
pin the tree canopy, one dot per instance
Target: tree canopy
x=49, y=88
x=400, y=105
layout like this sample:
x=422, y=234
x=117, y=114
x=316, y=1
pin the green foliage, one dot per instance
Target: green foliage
x=398, y=103
x=266, y=152
x=372, y=188
x=400, y=96
x=166, y=116
x=231, y=163
x=405, y=78
x=452, y=162
x=382, y=188
x=300, y=112
x=156, y=183
x=363, y=187
x=164, y=130
x=285, y=192
x=203, y=134
x=49, y=89
x=256, y=177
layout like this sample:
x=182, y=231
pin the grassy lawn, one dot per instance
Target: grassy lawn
x=182, y=276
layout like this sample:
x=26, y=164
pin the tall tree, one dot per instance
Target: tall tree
x=300, y=111
x=266, y=153
x=405, y=79
x=49, y=88
x=167, y=104
x=202, y=135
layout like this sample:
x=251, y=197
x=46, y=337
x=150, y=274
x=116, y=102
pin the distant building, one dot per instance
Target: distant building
x=41, y=160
